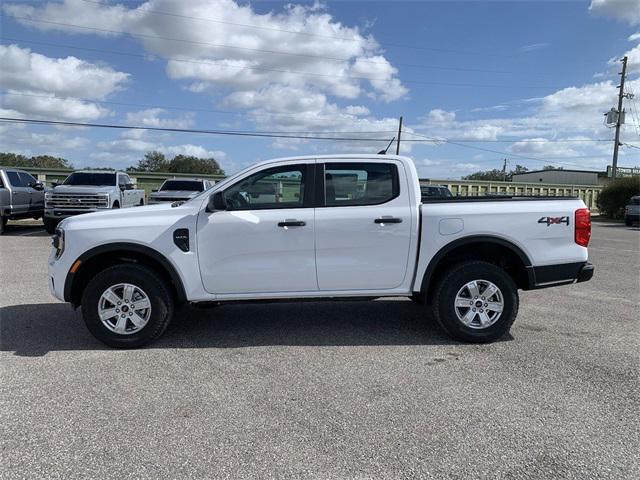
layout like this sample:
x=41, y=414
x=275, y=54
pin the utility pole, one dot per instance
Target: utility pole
x=400, y=132
x=504, y=170
x=616, y=145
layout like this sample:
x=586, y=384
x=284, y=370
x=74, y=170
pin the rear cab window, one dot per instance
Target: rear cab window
x=357, y=184
x=14, y=179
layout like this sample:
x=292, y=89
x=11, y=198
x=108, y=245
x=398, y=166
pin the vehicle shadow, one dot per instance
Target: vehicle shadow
x=19, y=229
x=36, y=329
x=622, y=226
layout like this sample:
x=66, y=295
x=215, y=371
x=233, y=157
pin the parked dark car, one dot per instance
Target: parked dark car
x=21, y=196
x=434, y=191
x=632, y=211
x=179, y=190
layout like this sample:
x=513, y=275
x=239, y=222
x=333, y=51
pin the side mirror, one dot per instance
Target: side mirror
x=37, y=186
x=129, y=186
x=216, y=202
x=154, y=190
x=55, y=184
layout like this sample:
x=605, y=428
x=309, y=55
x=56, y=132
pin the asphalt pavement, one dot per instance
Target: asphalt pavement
x=325, y=390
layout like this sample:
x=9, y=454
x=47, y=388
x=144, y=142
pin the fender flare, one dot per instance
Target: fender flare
x=131, y=247
x=437, y=258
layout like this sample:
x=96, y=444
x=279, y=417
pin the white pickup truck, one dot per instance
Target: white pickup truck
x=89, y=191
x=339, y=226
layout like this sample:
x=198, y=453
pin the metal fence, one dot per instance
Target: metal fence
x=588, y=193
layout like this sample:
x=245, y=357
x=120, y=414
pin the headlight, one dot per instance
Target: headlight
x=58, y=241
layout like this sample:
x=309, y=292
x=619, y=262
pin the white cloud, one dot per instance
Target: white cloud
x=17, y=139
x=52, y=88
x=625, y=10
x=534, y=46
x=23, y=69
x=152, y=118
x=540, y=147
x=48, y=106
x=231, y=55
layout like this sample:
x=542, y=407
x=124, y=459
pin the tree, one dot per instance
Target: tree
x=551, y=167
x=47, y=161
x=495, y=174
x=39, y=161
x=190, y=164
x=490, y=175
x=152, y=162
x=616, y=195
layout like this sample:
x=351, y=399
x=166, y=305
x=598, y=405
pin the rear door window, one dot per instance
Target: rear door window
x=353, y=184
x=15, y=180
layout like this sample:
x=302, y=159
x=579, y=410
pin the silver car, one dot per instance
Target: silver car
x=21, y=196
x=632, y=211
x=179, y=190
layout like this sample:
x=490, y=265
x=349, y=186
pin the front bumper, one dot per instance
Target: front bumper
x=57, y=270
x=59, y=213
x=560, y=274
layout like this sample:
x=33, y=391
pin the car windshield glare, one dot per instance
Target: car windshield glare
x=188, y=185
x=92, y=179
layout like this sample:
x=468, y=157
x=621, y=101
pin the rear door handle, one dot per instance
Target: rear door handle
x=388, y=220
x=292, y=223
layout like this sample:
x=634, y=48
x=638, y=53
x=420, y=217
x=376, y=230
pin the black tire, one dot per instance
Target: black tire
x=50, y=225
x=116, y=205
x=142, y=202
x=160, y=298
x=454, y=280
x=628, y=222
x=3, y=223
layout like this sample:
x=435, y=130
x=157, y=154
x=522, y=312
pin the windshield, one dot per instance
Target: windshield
x=191, y=185
x=90, y=178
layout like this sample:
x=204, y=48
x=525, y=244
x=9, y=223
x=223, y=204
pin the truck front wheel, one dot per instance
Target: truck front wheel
x=50, y=225
x=127, y=306
x=476, y=301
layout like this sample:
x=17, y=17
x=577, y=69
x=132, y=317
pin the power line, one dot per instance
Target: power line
x=506, y=153
x=239, y=133
x=267, y=114
x=275, y=52
x=295, y=72
x=486, y=140
x=308, y=34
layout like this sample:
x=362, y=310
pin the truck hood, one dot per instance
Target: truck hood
x=173, y=194
x=82, y=189
x=162, y=213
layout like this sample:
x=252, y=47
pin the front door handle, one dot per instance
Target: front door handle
x=292, y=223
x=388, y=220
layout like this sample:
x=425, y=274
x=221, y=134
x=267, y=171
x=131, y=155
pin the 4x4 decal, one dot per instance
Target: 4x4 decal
x=554, y=220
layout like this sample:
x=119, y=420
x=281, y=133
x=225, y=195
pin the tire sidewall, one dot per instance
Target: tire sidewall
x=144, y=278
x=451, y=285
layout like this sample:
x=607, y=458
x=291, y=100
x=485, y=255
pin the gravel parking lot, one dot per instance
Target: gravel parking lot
x=325, y=390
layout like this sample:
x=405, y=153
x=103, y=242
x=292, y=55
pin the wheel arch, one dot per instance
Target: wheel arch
x=495, y=250
x=103, y=256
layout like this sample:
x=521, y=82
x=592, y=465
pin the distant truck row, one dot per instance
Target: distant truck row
x=22, y=196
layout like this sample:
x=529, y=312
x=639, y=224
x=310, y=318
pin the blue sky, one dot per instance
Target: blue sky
x=527, y=80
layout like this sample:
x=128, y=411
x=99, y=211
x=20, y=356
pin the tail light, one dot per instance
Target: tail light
x=583, y=226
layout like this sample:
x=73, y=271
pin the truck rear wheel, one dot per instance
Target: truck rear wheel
x=3, y=223
x=127, y=306
x=476, y=302
x=50, y=225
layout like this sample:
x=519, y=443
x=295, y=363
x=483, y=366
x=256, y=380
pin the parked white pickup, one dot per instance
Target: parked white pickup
x=312, y=227
x=89, y=191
